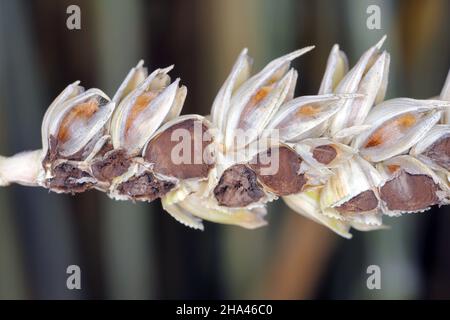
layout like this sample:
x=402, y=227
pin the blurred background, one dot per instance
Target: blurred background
x=136, y=251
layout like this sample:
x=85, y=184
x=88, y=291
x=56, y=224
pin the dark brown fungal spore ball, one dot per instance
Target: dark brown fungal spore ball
x=324, y=153
x=113, y=164
x=145, y=187
x=408, y=192
x=439, y=152
x=285, y=179
x=238, y=187
x=65, y=176
x=159, y=151
x=365, y=201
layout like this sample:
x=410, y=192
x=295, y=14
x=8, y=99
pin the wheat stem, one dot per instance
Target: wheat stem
x=22, y=168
